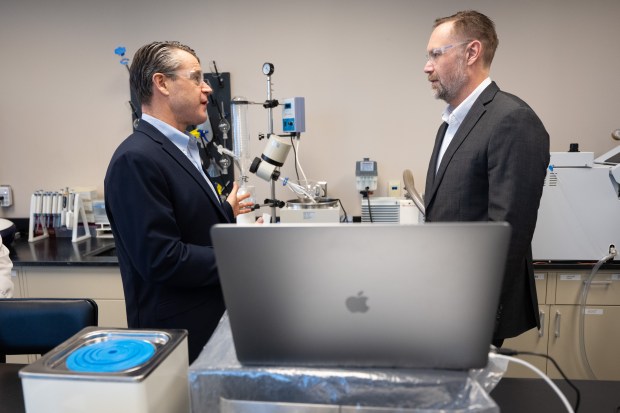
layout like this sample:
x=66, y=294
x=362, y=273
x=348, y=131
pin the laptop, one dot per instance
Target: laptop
x=362, y=295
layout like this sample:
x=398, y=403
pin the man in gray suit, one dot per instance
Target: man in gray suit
x=490, y=156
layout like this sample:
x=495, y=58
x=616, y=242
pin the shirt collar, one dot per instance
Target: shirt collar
x=180, y=140
x=456, y=115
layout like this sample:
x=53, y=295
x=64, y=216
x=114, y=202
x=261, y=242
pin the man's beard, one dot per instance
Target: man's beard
x=449, y=88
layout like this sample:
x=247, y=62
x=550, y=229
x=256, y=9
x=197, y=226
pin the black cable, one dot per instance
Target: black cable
x=509, y=352
x=217, y=74
x=365, y=195
x=214, y=102
x=346, y=217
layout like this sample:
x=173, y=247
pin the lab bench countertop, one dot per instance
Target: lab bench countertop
x=61, y=251
x=573, y=265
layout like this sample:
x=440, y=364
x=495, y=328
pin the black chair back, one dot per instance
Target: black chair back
x=37, y=325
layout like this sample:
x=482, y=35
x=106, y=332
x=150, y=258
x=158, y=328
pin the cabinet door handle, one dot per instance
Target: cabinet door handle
x=541, y=330
x=558, y=318
x=605, y=283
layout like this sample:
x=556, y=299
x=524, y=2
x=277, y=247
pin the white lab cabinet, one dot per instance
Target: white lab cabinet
x=601, y=326
x=103, y=284
x=560, y=337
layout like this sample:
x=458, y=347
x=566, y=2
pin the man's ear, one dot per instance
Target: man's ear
x=160, y=81
x=474, y=52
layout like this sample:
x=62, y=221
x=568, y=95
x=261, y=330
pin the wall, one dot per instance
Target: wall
x=358, y=63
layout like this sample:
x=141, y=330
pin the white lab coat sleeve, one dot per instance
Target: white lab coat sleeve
x=6, y=284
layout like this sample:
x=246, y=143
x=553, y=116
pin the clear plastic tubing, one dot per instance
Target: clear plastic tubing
x=240, y=132
x=582, y=309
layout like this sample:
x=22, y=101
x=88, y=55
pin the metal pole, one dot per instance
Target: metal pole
x=270, y=131
x=270, y=109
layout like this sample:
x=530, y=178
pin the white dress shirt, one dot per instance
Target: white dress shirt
x=454, y=117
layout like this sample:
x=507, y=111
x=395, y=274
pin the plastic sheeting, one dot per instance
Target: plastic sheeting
x=219, y=383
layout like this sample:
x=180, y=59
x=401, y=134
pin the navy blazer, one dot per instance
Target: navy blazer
x=161, y=210
x=494, y=170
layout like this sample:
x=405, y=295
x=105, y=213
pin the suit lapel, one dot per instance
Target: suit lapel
x=189, y=167
x=182, y=160
x=472, y=117
x=432, y=166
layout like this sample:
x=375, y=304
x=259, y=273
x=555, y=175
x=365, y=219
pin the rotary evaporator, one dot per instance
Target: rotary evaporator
x=312, y=204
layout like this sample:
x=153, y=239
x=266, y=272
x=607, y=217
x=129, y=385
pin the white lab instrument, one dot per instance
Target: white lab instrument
x=272, y=158
x=323, y=210
x=267, y=166
x=579, y=213
x=278, y=146
x=312, y=206
x=269, y=172
x=6, y=196
x=293, y=115
x=366, y=175
x=390, y=210
x=111, y=370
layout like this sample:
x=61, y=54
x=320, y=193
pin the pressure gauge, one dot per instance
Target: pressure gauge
x=268, y=69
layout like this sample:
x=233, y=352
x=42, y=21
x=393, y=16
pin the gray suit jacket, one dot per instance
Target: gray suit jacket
x=494, y=170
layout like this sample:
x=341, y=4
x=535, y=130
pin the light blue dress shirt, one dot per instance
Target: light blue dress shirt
x=186, y=144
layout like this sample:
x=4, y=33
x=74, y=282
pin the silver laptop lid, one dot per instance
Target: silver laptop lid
x=362, y=295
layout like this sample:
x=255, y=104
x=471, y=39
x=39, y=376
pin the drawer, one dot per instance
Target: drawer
x=604, y=290
x=74, y=282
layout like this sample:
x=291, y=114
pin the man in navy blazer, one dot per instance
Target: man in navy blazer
x=161, y=204
x=490, y=157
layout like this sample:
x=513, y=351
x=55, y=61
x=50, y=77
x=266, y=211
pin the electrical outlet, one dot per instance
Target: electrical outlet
x=6, y=196
x=394, y=189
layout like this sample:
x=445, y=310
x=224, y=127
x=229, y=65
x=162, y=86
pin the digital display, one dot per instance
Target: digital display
x=367, y=166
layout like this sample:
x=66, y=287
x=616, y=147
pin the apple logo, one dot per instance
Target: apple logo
x=357, y=303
